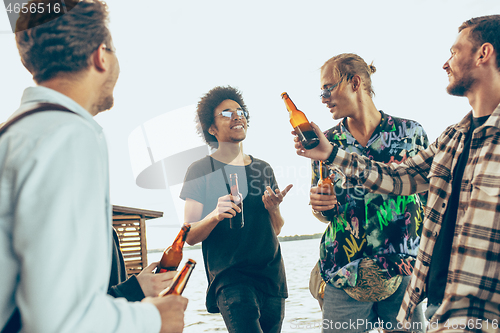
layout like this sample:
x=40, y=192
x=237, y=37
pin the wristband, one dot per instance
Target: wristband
x=332, y=156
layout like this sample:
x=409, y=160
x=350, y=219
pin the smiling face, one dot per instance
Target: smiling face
x=340, y=103
x=232, y=130
x=460, y=66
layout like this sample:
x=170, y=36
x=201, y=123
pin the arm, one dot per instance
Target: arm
x=201, y=228
x=271, y=202
x=119, y=285
x=129, y=289
x=400, y=179
x=134, y=288
x=423, y=142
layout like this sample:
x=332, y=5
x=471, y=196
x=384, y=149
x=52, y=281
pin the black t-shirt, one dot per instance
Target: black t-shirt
x=251, y=254
x=438, y=269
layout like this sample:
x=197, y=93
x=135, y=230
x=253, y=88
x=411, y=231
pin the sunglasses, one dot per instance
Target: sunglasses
x=326, y=93
x=229, y=113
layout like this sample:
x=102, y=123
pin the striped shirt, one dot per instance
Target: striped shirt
x=473, y=282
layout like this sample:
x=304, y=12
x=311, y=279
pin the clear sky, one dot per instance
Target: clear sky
x=173, y=52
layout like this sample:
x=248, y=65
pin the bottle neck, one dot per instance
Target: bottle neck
x=290, y=106
x=178, y=245
x=297, y=117
x=180, y=280
x=181, y=238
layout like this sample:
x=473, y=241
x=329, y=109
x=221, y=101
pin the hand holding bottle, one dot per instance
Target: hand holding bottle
x=227, y=207
x=300, y=124
x=323, y=196
x=151, y=284
x=321, y=152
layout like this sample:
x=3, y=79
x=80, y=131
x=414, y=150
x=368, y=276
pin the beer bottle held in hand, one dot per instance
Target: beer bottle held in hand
x=172, y=255
x=324, y=182
x=180, y=280
x=237, y=221
x=300, y=124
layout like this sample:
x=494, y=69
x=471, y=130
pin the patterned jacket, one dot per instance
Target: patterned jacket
x=385, y=228
x=473, y=276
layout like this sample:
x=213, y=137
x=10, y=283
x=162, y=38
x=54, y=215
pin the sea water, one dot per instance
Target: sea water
x=302, y=311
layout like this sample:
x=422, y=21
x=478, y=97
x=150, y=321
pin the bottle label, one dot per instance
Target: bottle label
x=167, y=269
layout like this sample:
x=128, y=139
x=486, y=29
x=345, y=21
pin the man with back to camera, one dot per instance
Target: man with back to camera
x=55, y=212
x=459, y=259
x=244, y=267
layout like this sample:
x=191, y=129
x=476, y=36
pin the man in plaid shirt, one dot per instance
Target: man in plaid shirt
x=461, y=171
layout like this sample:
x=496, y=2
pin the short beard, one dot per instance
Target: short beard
x=106, y=99
x=461, y=87
x=104, y=104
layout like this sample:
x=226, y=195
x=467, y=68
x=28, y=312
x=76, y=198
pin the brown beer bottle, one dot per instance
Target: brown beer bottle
x=300, y=124
x=180, y=280
x=237, y=221
x=172, y=255
x=325, y=182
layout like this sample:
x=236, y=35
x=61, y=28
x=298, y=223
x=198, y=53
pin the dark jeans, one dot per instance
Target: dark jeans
x=246, y=309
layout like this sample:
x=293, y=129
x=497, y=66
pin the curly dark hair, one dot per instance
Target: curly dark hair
x=207, y=105
x=52, y=43
x=484, y=29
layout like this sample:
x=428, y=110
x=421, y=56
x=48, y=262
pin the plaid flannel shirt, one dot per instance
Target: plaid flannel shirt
x=473, y=282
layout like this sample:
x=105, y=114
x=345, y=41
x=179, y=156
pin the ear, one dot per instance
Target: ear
x=211, y=130
x=356, y=83
x=486, y=52
x=99, y=59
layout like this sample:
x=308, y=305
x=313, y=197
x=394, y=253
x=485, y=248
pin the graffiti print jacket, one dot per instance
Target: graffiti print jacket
x=382, y=227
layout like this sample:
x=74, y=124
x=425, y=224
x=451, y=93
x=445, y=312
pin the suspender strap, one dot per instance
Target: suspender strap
x=14, y=323
x=36, y=108
x=223, y=173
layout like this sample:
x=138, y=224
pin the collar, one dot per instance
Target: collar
x=493, y=121
x=386, y=125
x=46, y=95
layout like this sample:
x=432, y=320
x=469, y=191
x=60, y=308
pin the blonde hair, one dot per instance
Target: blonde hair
x=347, y=65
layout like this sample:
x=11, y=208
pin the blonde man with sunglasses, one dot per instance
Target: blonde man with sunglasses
x=371, y=241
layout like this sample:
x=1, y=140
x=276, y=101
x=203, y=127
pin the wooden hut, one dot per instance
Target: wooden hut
x=130, y=224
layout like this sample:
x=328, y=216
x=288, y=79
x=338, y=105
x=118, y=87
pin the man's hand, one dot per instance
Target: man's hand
x=321, y=152
x=226, y=207
x=323, y=198
x=152, y=284
x=272, y=199
x=171, y=309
